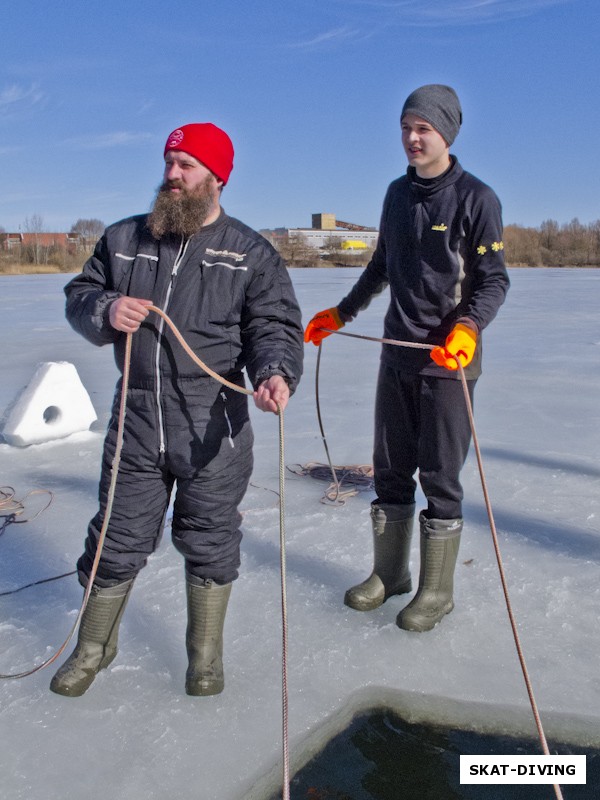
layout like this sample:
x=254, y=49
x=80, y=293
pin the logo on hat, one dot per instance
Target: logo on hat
x=175, y=138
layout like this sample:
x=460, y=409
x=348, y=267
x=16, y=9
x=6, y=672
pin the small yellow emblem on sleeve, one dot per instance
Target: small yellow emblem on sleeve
x=497, y=246
x=482, y=249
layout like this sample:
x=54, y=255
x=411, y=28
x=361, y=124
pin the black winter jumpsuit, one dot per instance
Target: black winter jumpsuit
x=230, y=295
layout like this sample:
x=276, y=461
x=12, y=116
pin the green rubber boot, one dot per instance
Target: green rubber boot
x=392, y=532
x=97, y=640
x=440, y=540
x=207, y=606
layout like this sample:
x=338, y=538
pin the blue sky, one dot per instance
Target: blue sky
x=310, y=92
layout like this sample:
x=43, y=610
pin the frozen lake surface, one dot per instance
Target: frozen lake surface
x=136, y=736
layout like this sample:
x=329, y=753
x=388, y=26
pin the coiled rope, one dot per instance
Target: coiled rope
x=357, y=477
x=10, y=511
x=11, y=508
x=107, y=515
x=488, y=506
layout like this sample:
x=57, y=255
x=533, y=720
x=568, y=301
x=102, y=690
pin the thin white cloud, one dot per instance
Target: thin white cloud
x=15, y=98
x=10, y=199
x=454, y=12
x=333, y=36
x=145, y=106
x=107, y=140
x=369, y=16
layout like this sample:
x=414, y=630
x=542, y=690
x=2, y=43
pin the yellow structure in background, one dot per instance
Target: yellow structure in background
x=353, y=244
x=328, y=234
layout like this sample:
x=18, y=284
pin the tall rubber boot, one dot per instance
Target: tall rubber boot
x=207, y=606
x=97, y=640
x=440, y=540
x=392, y=532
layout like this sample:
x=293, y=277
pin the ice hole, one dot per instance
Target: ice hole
x=381, y=756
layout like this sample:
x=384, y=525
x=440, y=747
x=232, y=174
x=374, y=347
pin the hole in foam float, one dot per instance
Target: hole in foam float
x=52, y=415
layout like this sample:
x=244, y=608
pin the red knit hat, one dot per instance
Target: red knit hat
x=207, y=143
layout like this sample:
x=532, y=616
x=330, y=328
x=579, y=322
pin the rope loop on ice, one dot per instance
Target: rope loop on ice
x=11, y=508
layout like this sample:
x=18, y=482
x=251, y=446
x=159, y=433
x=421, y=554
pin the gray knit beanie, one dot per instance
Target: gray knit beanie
x=438, y=105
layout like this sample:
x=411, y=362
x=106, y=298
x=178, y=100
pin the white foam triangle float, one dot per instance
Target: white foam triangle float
x=53, y=405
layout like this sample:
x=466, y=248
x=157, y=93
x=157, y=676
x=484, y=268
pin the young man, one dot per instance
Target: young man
x=440, y=250
x=229, y=293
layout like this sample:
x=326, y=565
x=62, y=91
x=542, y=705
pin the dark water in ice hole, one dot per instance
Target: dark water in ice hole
x=382, y=757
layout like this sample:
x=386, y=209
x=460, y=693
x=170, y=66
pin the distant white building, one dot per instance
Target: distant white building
x=326, y=229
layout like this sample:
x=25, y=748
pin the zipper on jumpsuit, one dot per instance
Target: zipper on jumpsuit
x=227, y=420
x=161, y=328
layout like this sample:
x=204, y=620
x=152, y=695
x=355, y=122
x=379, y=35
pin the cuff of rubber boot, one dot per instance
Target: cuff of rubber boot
x=206, y=583
x=440, y=528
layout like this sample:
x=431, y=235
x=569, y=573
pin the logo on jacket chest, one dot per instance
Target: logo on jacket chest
x=224, y=258
x=226, y=254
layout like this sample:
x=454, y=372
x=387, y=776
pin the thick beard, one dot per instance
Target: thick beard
x=182, y=214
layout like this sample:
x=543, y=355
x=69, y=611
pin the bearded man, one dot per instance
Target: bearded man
x=229, y=293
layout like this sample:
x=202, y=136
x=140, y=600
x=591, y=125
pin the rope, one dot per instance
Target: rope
x=284, y=639
x=488, y=505
x=335, y=498
x=11, y=508
x=36, y=583
x=358, y=476
x=284, y=659
x=102, y=536
x=7, y=497
x=509, y=608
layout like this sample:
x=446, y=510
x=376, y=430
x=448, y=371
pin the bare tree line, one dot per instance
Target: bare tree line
x=36, y=249
x=571, y=244
x=552, y=245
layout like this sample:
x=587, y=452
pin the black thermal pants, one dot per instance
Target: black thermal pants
x=421, y=424
x=208, y=462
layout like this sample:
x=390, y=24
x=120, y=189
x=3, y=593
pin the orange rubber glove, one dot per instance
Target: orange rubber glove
x=460, y=342
x=329, y=318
